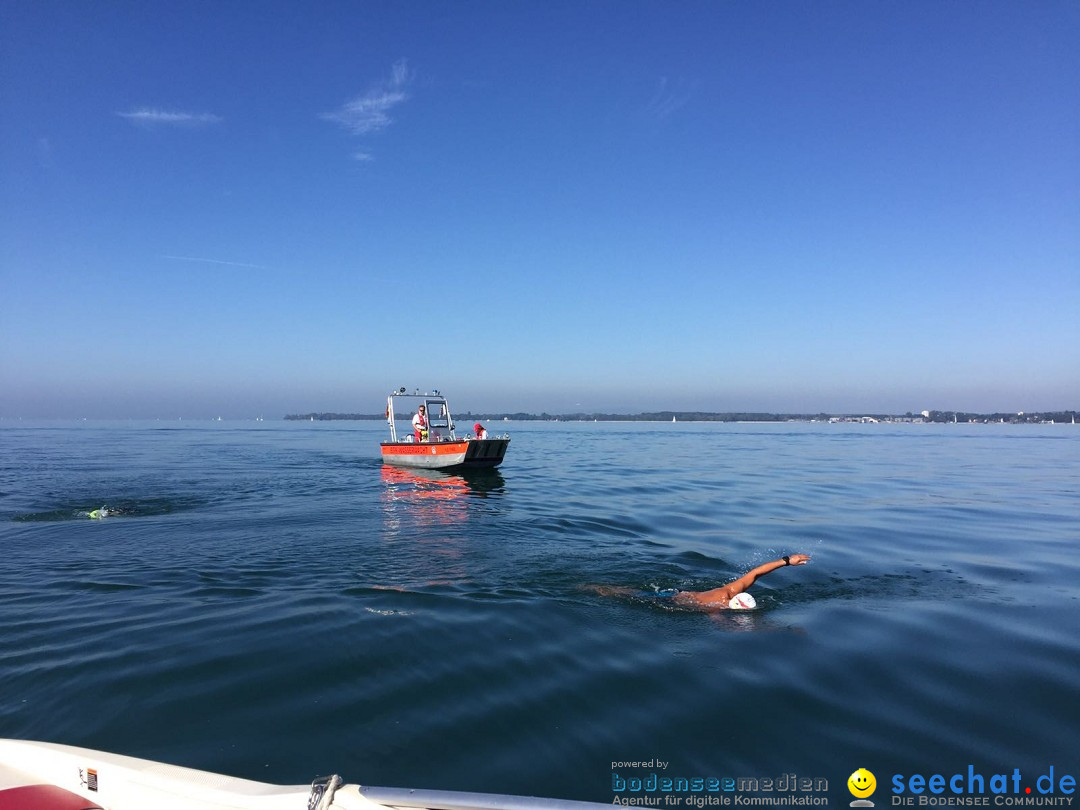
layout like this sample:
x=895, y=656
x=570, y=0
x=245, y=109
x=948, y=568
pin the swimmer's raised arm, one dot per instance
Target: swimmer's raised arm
x=719, y=597
x=744, y=582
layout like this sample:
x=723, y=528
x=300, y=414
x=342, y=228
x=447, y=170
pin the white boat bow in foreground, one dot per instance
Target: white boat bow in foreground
x=47, y=776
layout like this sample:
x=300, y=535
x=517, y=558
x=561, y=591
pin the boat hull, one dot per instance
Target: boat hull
x=459, y=454
x=47, y=776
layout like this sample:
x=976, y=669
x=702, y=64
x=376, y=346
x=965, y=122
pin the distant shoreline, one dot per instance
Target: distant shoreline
x=1043, y=417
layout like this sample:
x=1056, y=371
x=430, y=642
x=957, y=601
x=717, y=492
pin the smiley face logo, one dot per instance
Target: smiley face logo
x=861, y=783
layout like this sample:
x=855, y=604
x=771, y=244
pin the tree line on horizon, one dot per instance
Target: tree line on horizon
x=1041, y=417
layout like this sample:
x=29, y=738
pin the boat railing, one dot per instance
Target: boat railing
x=438, y=416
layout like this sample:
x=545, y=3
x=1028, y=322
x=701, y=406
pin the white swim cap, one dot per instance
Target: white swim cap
x=742, y=601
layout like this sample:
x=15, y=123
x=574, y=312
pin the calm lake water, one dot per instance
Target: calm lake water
x=276, y=604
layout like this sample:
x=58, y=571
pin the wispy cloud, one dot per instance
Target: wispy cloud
x=151, y=116
x=370, y=112
x=669, y=96
x=213, y=261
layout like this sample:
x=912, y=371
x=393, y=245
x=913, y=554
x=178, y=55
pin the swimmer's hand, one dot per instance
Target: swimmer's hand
x=798, y=559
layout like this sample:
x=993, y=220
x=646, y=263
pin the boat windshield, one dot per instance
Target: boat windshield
x=402, y=406
x=438, y=414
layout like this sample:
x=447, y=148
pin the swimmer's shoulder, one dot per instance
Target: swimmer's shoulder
x=707, y=600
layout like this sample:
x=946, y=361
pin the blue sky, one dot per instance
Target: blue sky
x=247, y=209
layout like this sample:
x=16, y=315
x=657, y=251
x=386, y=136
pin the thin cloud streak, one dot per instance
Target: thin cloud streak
x=669, y=97
x=149, y=116
x=213, y=261
x=371, y=111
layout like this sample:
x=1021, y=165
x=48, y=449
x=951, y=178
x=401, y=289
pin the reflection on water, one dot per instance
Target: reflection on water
x=421, y=485
x=403, y=484
x=426, y=515
x=433, y=496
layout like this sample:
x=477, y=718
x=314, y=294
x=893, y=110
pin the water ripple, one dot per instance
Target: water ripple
x=275, y=603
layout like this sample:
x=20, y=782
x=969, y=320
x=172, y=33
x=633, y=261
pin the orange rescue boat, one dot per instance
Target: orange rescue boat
x=435, y=446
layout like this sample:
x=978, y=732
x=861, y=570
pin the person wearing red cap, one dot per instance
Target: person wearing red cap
x=479, y=430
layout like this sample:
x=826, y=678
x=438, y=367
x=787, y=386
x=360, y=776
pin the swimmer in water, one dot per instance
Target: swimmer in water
x=108, y=511
x=732, y=596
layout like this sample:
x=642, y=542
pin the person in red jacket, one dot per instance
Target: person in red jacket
x=420, y=424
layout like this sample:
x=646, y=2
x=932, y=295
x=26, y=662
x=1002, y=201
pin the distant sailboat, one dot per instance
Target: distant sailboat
x=673, y=419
